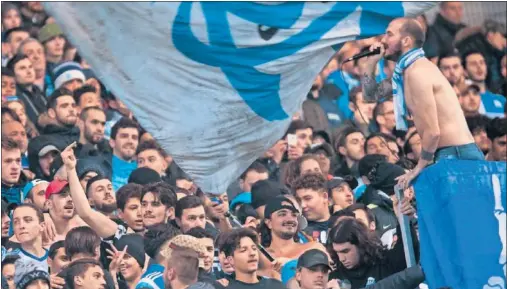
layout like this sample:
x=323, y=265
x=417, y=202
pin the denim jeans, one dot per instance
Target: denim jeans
x=463, y=152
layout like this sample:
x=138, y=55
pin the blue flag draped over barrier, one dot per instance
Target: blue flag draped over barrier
x=216, y=83
x=461, y=208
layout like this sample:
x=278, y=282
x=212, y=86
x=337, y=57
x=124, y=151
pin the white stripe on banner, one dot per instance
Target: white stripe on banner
x=215, y=82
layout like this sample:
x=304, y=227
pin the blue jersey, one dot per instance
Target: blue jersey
x=153, y=278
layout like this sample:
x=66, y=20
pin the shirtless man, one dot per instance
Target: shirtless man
x=279, y=229
x=429, y=97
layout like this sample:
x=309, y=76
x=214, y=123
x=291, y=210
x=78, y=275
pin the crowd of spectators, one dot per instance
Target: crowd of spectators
x=90, y=200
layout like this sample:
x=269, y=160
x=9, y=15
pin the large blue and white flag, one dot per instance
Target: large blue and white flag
x=462, y=225
x=216, y=83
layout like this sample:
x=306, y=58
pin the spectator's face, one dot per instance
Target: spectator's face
x=325, y=163
x=347, y=254
x=46, y=160
x=470, y=102
x=416, y=146
x=16, y=38
x=24, y=71
x=452, y=69
x=129, y=268
x=452, y=11
x=61, y=206
x=499, y=148
x=15, y=131
x=476, y=67
x=54, y=46
x=377, y=145
x=186, y=185
x=27, y=226
x=209, y=253
x=93, y=126
x=35, y=53
x=152, y=159
x=362, y=108
x=73, y=84
x=11, y=20
x=125, y=144
x=251, y=178
x=310, y=166
x=386, y=118
x=363, y=218
x=481, y=139
x=132, y=214
x=35, y=6
x=313, y=203
x=93, y=278
x=192, y=218
x=154, y=212
x=225, y=264
x=315, y=277
x=65, y=112
x=283, y=224
x=342, y=196
x=245, y=258
x=6, y=221
x=8, y=86
x=11, y=166
x=38, y=195
x=19, y=109
x=61, y=260
x=89, y=99
x=8, y=271
x=354, y=146
x=304, y=137
x=392, y=40
x=102, y=196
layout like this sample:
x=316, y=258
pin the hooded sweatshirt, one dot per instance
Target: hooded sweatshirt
x=35, y=146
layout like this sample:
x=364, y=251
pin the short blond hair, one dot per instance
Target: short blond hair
x=183, y=241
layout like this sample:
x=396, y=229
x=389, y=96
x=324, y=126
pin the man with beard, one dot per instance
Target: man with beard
x=101, y=195
x=279, y=230
x=91, y=127
x=350, y=146
x=100, y=223
x=430, y=100
x=61, y=209
x=124, y=141
x=63, y=114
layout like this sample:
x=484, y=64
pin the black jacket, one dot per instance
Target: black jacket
x=35, y=102
x=440, y=37
x=382, y=208
x=65, y=134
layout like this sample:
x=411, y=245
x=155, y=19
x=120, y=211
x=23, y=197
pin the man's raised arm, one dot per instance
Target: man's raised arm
x=100, y=223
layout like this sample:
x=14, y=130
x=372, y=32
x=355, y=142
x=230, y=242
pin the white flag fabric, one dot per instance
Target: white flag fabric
x=216, y=83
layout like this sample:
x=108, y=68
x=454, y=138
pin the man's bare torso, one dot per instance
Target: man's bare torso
x=451, y=120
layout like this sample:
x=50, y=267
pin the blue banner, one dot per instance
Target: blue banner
x=461, y=208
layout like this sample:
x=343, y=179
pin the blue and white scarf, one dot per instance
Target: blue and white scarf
x=400, y=108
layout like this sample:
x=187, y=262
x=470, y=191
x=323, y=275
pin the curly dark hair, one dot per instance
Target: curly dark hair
x=350, y=230
x=315, y=182
x=293, y=169
x=232, y=242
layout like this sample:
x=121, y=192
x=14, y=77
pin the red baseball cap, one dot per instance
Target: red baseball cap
x=55, y=187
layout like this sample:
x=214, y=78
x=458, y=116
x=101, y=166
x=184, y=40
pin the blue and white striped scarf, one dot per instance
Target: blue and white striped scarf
x=400, y=108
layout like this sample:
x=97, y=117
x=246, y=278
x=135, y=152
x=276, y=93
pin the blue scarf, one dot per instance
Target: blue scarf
x=400, y=108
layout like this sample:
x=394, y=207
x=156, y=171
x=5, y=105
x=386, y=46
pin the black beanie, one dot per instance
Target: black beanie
x=135, y=247
x=143, y=176
x=383, y=177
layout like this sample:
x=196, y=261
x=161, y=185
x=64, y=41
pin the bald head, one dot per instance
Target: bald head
x=411, y=27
